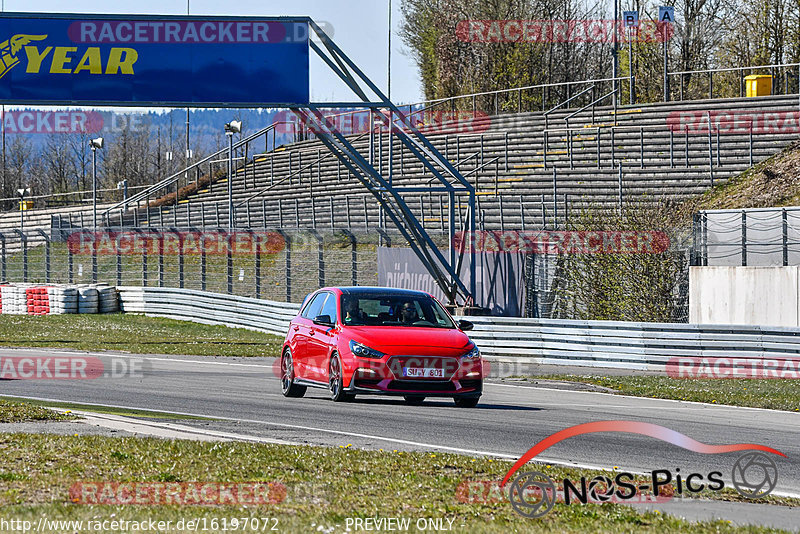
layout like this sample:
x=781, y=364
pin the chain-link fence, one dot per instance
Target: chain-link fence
x=283, y=265
x=269, y=264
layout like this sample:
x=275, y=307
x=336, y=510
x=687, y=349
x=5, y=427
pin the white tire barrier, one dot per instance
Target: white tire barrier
x=54, y=299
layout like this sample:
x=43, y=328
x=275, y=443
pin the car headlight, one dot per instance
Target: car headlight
x=363, y=351
x=474, y=354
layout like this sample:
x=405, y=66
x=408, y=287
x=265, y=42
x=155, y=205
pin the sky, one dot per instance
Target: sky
x=360, y=29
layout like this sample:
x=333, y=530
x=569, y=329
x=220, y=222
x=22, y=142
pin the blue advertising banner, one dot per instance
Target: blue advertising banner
x=156, y=60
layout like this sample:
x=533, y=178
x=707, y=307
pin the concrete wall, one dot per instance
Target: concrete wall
x=745, y=295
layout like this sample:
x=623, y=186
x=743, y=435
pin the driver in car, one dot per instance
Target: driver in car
x=352, y=311
x=408, y=313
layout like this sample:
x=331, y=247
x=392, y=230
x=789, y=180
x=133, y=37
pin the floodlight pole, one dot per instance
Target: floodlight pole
x=94, y=187
x=231, y=218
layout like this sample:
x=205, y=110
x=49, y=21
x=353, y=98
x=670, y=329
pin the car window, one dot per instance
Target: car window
x=313, y=308
x=394, y=310
x=329, y=308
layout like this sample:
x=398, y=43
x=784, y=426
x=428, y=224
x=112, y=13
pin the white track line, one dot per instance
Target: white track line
x=457, y=450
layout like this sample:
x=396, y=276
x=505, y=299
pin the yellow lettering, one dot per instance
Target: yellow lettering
x=61, y=60
x=121, y=60
x=90, y=61
x=35, y=58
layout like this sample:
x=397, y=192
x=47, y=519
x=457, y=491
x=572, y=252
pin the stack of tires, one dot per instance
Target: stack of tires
x=52, y=299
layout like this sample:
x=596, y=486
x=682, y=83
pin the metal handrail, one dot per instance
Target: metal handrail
x=176, y=176
x=291, y=175
x=590, y=104
x=481, y=166
x=567, y=101
x=733, y=69
x=537, y=86
x=84, y=192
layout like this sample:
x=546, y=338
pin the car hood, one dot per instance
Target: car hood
x=397, y=340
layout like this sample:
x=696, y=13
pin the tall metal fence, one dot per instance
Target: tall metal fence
x=275, y=264
x=260, y=263
x=748, y=237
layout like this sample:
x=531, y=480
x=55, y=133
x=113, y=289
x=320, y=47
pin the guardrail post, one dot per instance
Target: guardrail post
x=671, y=149
x=785, y=236
x=619, y=188
x=288, y=259
x=686, y=147
x=705, y=238
x=710, y=85
x=320, y=258
x=741, y=83
x=505, y=148
x=280, y=213
x=555, y=200
x=597, y=142
x=203, y=267
x=366, y=216
x=144, y=259
x=229, y=256
x=693, y=254
x=94, y=255
x=710, y=152
x=521, y=213
x=161, y=258
x=255, y=240
x=744, y=238
x=23, y=241
x=750, y=142
x=496, y=175
x=330, y=199
x=3, y=259
x=119, y=264
x=46, y=255
x=296, y=213
x=569, y=148
x=180, y=258
x=641, y=148
x=613, y=148
x=544, y=149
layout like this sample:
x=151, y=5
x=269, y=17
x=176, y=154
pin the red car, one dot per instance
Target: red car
x=363, y=340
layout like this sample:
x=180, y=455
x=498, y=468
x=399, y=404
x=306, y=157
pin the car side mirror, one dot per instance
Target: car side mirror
x=465, y=325
x=323, y=320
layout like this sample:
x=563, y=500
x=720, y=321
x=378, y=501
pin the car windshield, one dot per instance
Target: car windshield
x=394, y=310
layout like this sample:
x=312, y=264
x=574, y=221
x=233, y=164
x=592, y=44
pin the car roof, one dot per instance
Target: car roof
x=388, y=291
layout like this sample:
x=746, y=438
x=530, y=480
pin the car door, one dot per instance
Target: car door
x=302, y=330
x=320, y=341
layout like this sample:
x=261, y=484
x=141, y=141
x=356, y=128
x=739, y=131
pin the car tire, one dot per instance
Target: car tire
x=288, y=386
x=414, y=400
x=336, y=381
x=466, y=402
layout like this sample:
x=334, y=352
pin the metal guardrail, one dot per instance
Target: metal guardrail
x=605, y=344
x=209, y=308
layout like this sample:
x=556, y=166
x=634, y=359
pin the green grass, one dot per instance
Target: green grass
x=12, y=411
x=36, y=405
x=135, y=334
x=324, y=485
x=753, y=392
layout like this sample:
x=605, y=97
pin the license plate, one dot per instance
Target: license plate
x=422, y=372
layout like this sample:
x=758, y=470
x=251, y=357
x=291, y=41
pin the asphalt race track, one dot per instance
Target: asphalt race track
x=245, y=394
